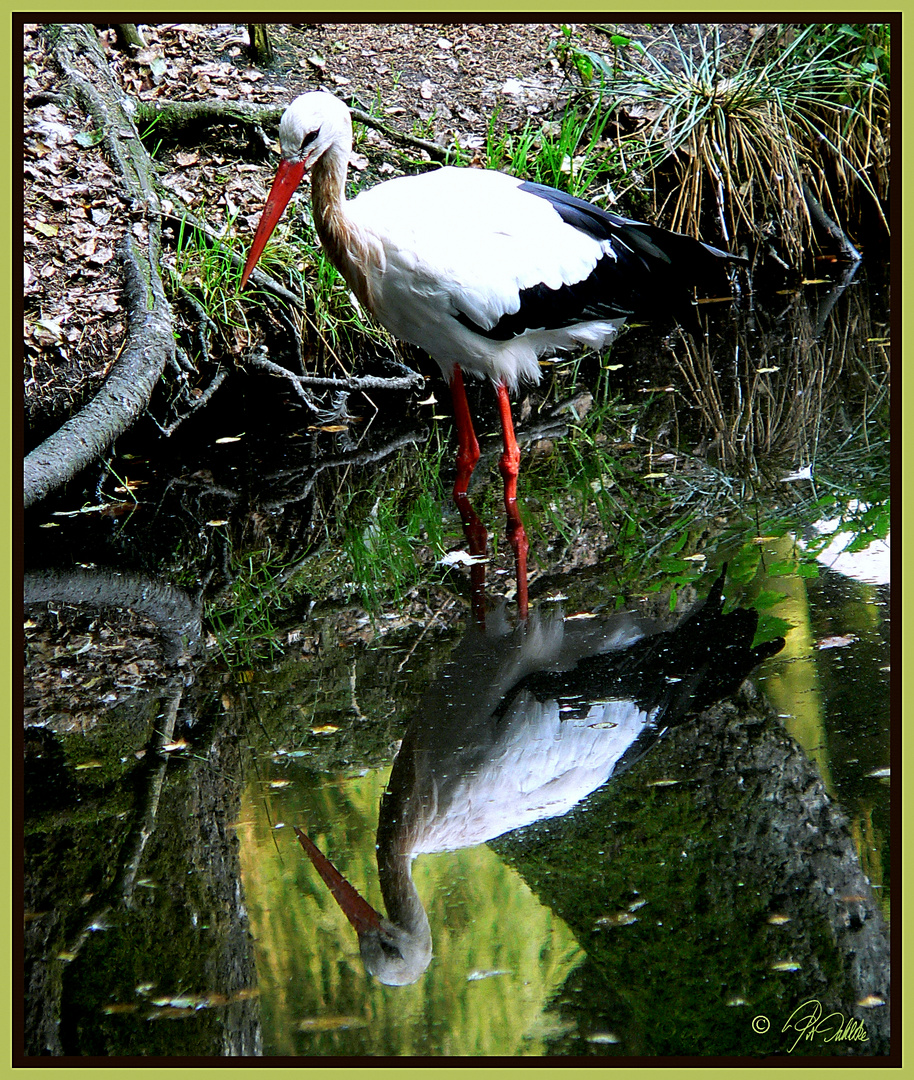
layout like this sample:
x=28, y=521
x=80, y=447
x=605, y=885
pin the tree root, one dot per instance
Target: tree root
x=150, y=335
x=126, y=392
x=830, y=228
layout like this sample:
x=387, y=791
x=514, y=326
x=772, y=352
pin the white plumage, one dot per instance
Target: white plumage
x=430, y=270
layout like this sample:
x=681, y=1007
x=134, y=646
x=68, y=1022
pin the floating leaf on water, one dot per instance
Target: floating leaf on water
x=461, y=558
x=838, y=641
x=324, y=729
x=621, y=918
x=179, y=1002
x=330, y=1023
x=170, y=1012
x=178, y=744
x=778, y=920
x=280, y=783
x=66, y=956
x=229, y=439
x=880, y=774
x=662, y=783
x=603, y=1037
x=217, y=521
x=737, y=1001
x=801, y=474
x=89, y=765
x=871, y=1001
x=785, y=965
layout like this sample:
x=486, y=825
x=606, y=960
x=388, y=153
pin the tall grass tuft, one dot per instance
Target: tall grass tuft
x=808, y=107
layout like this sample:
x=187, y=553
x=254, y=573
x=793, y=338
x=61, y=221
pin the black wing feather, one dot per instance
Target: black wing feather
x=653, y=274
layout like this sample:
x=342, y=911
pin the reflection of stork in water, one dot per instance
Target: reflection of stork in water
x=523, y=724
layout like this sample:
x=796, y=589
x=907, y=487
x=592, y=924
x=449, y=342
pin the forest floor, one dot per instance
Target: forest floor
x=444, y=82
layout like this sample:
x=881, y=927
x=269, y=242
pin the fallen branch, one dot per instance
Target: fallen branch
x=412, y=381
x=172, y=117
x=831, y=228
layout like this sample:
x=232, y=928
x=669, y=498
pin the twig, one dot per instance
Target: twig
x=217, y=380
x=434, y=150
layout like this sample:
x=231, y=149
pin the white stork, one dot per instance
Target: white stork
x=483, y=271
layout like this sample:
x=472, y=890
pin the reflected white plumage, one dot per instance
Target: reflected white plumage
x=522, y=724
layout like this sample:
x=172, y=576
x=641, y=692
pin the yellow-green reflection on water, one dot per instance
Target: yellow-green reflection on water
x=499, y=955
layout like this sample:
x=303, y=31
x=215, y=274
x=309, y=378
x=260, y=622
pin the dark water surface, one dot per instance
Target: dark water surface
x=700, y=902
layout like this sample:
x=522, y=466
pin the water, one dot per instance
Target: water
x=729, y=874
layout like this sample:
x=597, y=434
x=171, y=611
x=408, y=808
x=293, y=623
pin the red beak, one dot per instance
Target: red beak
x=288, y=177
x=358, y=911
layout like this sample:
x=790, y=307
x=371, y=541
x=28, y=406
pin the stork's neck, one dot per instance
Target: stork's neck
x=401, y=900
x=345, y=244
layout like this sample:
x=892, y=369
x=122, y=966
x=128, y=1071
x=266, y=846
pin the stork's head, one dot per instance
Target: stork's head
x=394, y=955
x=312, y=125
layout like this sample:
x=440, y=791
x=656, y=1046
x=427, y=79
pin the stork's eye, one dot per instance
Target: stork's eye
x=308, y=139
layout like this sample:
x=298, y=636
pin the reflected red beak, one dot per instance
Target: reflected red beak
x=288, y=177
x=358, y=911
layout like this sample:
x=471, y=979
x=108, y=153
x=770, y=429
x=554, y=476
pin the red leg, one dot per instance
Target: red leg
x=467, y=446
x=473, y=528
x=510, y=466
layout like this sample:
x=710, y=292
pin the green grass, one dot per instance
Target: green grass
x=570, y=154
x=389, y=551
x=242, y=619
